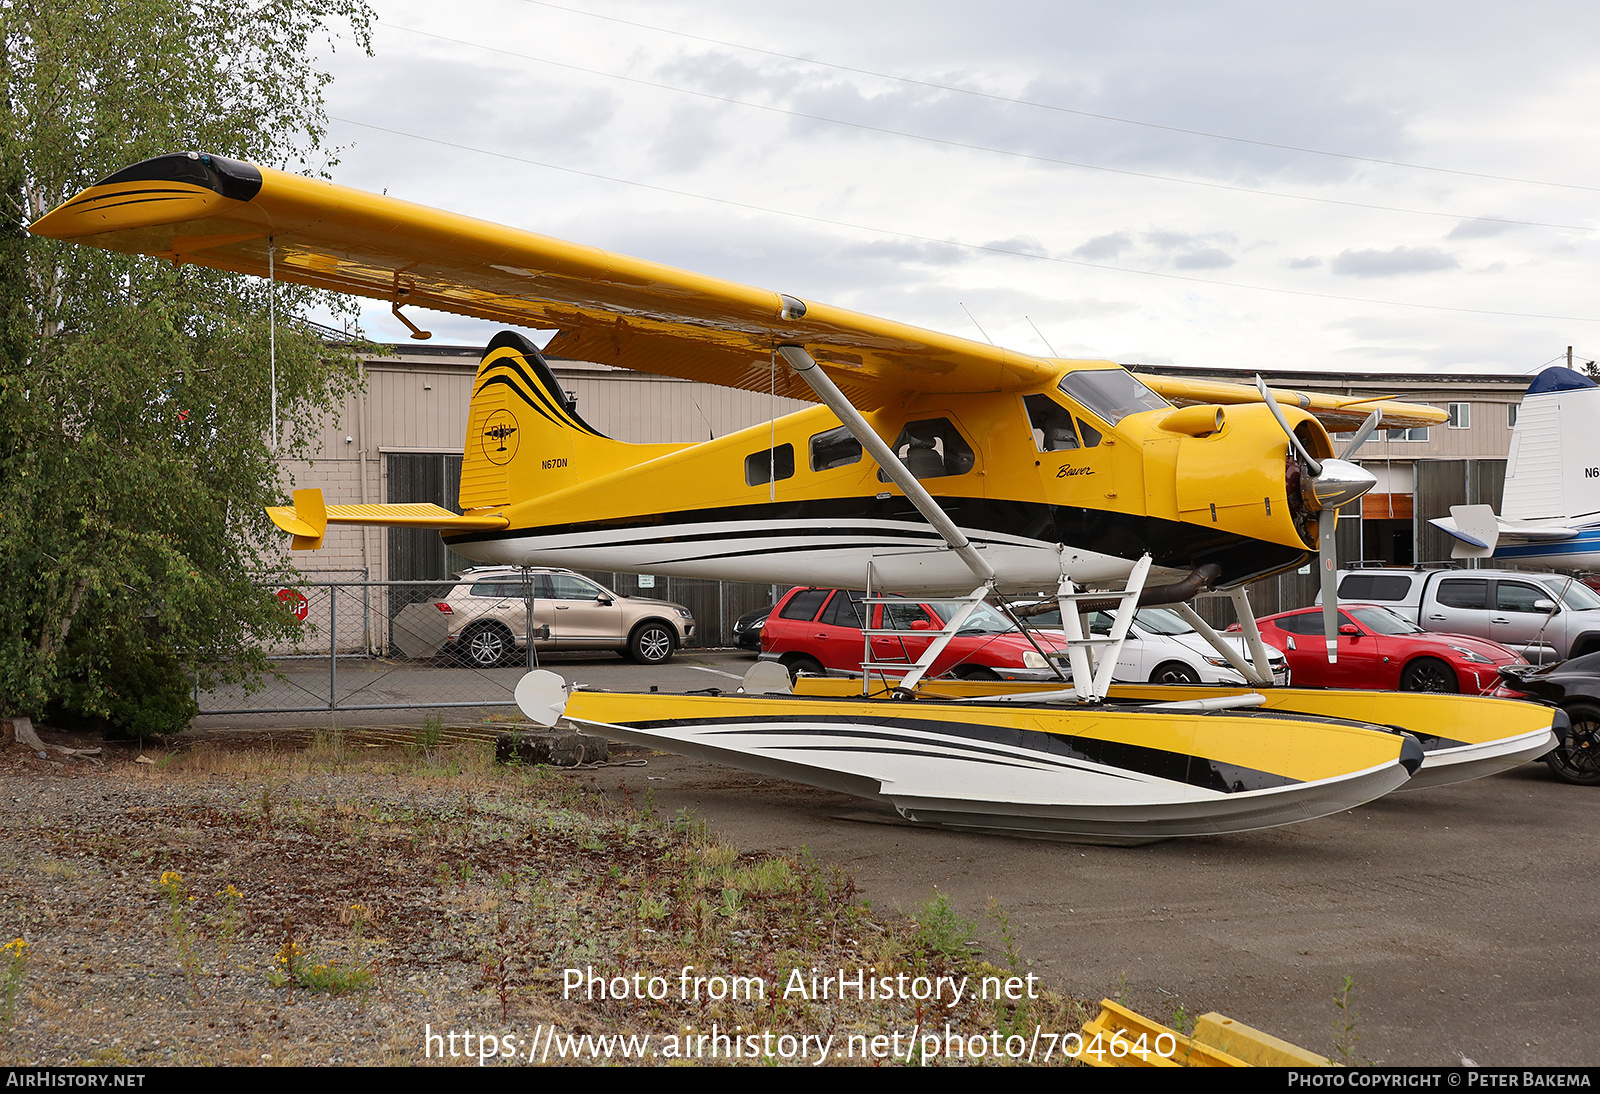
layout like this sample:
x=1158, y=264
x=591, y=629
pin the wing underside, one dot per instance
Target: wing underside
x=609, y=308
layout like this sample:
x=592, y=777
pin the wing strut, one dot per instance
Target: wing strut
x=821, y=383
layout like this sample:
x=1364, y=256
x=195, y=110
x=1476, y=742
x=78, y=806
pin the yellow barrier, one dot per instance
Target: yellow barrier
x=1119, y=1037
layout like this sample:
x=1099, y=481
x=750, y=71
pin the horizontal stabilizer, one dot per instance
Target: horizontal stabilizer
x=1477, y=531
x=307, y=519
x=1475, y=528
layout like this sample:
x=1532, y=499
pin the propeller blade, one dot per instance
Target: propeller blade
x=1372, y=422
x=1329, y=565
x=1312, y=465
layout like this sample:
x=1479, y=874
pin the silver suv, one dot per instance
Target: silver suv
x=487, y=617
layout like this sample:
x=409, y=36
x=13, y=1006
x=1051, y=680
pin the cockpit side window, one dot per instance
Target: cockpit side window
x=932, y=448
x=1111, y=393
x=1052, y=424
x=834, y=448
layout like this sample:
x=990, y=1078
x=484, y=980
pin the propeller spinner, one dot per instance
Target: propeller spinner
x=1325, y=485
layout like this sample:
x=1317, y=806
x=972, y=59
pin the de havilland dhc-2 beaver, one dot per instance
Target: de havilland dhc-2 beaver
x=934, y=466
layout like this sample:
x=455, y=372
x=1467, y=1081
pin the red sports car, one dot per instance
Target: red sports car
x=1378, y=649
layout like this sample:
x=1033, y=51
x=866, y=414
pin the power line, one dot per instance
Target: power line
x=966, y=146
x=958, y=90
x=978, y=247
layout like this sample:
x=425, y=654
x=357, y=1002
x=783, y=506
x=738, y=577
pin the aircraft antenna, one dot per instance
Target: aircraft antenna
x=1042, y=338
x=272, y=335
x=977, y=324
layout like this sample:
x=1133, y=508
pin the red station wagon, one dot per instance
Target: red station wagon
x=819, y=630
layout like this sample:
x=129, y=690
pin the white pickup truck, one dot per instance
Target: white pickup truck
x=1545, y=617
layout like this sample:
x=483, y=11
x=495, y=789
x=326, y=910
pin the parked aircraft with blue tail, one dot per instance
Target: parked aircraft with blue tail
x=1550, y=510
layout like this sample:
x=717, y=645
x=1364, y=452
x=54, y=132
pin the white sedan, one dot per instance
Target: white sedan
x=1163, y=649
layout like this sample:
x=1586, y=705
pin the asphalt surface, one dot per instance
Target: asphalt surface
x=1465, y=915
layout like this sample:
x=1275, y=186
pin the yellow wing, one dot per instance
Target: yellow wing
x=610, y=308
x=217, y=212
x=1338, y=413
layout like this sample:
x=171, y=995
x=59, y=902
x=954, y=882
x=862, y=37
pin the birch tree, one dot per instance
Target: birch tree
x=136, y=450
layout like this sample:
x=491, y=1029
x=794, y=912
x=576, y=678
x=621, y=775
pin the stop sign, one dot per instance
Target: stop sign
x=296, y=602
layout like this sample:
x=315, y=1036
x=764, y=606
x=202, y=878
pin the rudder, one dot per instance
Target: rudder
x=521, y=424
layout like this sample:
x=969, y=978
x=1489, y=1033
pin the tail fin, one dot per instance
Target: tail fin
x=1554, y=469
x=522, y=426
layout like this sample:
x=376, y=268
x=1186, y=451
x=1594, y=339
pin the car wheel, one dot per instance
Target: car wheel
x=1429, y=674
x=809, y=665
x=486, y=645
x=652, y=644
x=1174, y=672
x=978, y=672
x=1578, y=759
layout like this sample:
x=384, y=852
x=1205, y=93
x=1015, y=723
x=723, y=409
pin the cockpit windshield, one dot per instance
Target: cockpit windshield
x=1111, y=393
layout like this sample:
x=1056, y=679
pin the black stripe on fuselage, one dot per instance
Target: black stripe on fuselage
x=1172, y=544
x=1158, y=763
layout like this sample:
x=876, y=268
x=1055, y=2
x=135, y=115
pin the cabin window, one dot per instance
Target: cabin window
x=835, y=448
x=1052, y=424
x=769, y=465
x=1111, y=393
x=1091, y=435
x=932, y=448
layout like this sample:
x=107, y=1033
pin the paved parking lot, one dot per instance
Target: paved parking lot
x=1466, y=915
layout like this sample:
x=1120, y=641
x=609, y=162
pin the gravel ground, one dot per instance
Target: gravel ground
x=445, y=893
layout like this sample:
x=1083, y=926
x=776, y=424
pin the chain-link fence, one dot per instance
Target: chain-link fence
x=380, y=645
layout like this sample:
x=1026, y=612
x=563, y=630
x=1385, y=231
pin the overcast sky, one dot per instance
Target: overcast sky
x=1195, y=184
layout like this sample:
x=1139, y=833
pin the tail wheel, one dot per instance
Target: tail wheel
x=1577, y=760
x=1429, y=674
x=486, y=645
x=652, y=643
x=1174, y=672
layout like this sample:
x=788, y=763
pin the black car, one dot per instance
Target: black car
x=747, y=632
x=1574, y=686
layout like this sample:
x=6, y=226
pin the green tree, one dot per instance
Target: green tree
x=136, y=443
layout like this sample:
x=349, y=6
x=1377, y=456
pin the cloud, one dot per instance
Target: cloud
x=1391, y=263
x=1310, y=262
x=1026, y=245
x=1209, y=259
x=1106, y=246
x=1480, y=228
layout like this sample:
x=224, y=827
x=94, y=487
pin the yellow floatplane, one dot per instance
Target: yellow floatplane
x=934, y=465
